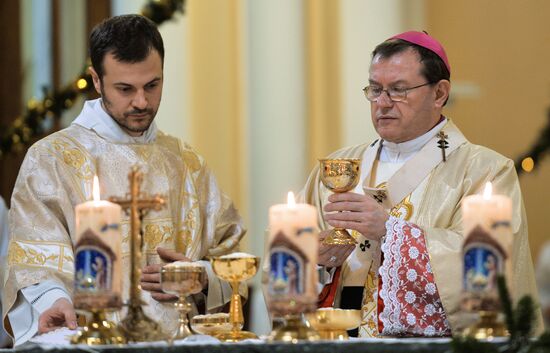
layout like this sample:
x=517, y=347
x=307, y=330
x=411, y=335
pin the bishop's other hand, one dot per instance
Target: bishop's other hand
x=332, y=255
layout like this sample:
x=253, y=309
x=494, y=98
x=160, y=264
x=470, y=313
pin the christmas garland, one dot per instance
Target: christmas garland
x=531, y=159
x=40, y=115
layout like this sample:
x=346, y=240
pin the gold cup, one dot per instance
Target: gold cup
x=340, y=175
x=182, y=280
x=332, y=324
x=235, y=269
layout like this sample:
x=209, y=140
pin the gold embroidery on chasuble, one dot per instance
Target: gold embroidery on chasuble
x=155, y=234
x=74, y=158
x=404, y=209
x=52, y=255
x=369, y=306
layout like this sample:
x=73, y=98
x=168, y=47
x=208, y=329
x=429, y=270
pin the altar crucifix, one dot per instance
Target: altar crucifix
x=136, y=325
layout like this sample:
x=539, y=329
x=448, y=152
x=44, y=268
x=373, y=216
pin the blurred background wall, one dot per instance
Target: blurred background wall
x=262, y=88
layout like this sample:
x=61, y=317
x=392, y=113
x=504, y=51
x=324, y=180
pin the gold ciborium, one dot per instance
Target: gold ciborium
x=340, y=175
x=235, y=268
x=332, y=324
x=211, y=324
x=182, y=279
x=488, y=327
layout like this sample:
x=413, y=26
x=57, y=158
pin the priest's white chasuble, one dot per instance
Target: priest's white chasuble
x=412, y=279
x=198, y=219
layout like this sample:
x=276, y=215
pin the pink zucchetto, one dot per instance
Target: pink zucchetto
x=424, y=40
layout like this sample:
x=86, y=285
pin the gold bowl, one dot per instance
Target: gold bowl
x=340, y=175
x=333, y=323
x=211, y=324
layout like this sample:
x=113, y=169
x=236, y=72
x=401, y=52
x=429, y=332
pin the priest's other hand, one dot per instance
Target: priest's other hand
x=60, y=314
x=357, y=212
x=332, y=255
x=150, y=275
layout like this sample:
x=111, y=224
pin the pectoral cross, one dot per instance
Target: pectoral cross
x=136, y=324
x=442, y=143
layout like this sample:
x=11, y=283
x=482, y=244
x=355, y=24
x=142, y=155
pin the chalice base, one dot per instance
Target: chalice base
x=339, y=236
x=235, y=336
x=98, y=331
x=487, y=327
x=295, y=329
x=340, y=335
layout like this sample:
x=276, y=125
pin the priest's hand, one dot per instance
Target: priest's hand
x=332, y=255
x=60, y=314
x=357, y=212
x=150, y=275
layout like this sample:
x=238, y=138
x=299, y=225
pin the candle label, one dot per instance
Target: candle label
x=290, y=286
x=484, y=259
x=97, y=278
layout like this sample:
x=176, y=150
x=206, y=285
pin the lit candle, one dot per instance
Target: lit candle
x=98, y=253
x=487, y=246
x=292, y=251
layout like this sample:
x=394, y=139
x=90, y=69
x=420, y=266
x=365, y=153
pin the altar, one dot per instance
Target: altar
x=204, y=344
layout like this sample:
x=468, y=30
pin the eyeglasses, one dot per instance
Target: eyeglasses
x=396, y=94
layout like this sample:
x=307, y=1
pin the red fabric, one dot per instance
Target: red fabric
x=326, y=297
x=380, y=305
x=411, y=302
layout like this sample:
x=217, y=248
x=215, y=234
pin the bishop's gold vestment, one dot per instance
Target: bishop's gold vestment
x=437, y=212
x=57, y=175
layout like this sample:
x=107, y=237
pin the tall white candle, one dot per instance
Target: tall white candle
x=98, y=253
x=292, y=250
x=487, y=245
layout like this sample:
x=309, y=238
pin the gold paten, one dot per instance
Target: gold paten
x=235, y=270
x=340, y=175
x=182, y=281
x=294, y=330
x=136, y=326
x=332, y=324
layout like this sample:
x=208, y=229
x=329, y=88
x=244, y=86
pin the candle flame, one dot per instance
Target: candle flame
x=95, y=189
x=290, y=199
x=488, y=191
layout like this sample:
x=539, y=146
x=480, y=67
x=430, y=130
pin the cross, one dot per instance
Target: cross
x=380, y=196
x=442, y=143
x=137, y=205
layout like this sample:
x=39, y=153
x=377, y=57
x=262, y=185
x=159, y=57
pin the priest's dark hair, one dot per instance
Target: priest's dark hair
x=130, y=38
x=434, y=69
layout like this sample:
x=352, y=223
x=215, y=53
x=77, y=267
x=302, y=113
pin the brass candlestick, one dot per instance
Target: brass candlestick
x=182, y=279
x=98, y=331
x=235, y=269
x=487, y=327
x=340, y=175
x=137, y=326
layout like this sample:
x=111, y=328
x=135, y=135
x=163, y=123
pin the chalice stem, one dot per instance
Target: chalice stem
x=236, y=310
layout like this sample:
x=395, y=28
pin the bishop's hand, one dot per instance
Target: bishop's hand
x=357, y=212
x=150, y=274
x=332, y=255
x=60, y=314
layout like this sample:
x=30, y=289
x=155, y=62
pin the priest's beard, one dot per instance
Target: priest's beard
x=124, y=119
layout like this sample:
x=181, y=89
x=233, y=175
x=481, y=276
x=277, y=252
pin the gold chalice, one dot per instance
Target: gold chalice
x=340, y=175
x=332, y=324
x=182, y=279
x=235, y=268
